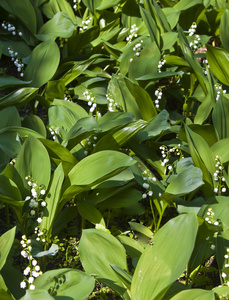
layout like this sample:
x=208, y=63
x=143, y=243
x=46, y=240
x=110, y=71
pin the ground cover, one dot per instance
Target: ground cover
x=114, y=149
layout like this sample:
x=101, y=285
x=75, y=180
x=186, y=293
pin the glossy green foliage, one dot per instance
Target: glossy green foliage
x=114, y=149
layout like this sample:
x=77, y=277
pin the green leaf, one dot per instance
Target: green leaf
x=37, y=295
x=163, y=262
x=66, y=283
x=33, y=160
x=189, y=56
x=11, y=81
x=53, y=200
x=156, y=125
x=151, y=26
x=195, y=294
x=123, y=275
x=18, y=98
x=107, y=4
x=22, y=10
x=115, y=140
x=9, y=192
x=35, y=123
x=201, y=154
x=219, y=117
x=90, y=213
x=220, y=148
x=98, y=167
x=9, y=116
x=111, y=252
x=218, y=60
x=52, y=7
x=43, y=63
x=185, y=183
x=131, y=98
x=60, y=25
x=6, y=242
x=223, y=29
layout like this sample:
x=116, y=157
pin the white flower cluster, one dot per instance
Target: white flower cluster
x=90, y=144
x=111, y=103
x=17, y=62
x=192, y=29
x=210, y=217
x=195, y=44
x=146, y=185
x=160, y=65
x=91, y=100
x=218, y=177
x=158, y=94
x=40, y=235
x=219, y=90
x=53, y=132
x=13, y=161
x=137, y=49
x=36, y=201
x=166, y=154
x=75, y=5
x=11, y=28
x=85, y=24
x=206, y=65
x=133, y=33
x=33, y=270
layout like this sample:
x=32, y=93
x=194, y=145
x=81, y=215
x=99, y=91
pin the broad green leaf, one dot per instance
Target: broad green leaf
x=35, y=123
x=151, y=26
x=78, y=68
x=71, y=283
x=221, y=290
x=144, y=64
x=52, y=7
x=163, y=262
x=186, y=4
x=9, y=116
x=60, y=25
x=156, y=76
x=220, y=119
x=92, y=5
x=131, y=98
x=218, y=60
x=155, y=126
x=11, y=81
x=98, y=167
x=197, y=70
x=107, y=4
x=185, y=183
x=9, y=192
x=37, y=294
x=172, y=15
x=133, y=247
x=33, y=160
x=79, y=40
x=22, y=10
x=6, y=242
x=18, y=98
x=195, y=294
x=111, y=252
x=123, y=276
x=90, y=213
x=220, y=148
x=115, y=140
x=53, y=200
x=201, y=154
x=223, y=29
x=43, y=63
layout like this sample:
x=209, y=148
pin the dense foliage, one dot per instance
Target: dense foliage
x=114, y=136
